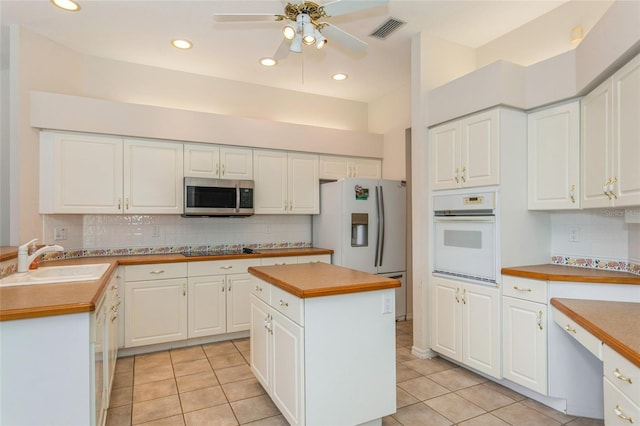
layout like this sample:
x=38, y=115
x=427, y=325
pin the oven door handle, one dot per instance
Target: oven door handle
x=237, y=198
x=486, y=219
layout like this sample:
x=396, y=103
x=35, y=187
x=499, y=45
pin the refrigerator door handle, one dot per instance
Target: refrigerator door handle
x=375, y=261
x=381, y=225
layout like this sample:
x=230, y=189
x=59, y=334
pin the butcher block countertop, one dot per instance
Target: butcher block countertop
x=321, y=279
x=551, y=272
x=617, y=324
x=32, y=301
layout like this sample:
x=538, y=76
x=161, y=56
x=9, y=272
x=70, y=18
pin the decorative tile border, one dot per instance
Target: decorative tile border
x=594, y=263
x=10, y=266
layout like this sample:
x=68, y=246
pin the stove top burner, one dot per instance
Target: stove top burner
x=245, y=250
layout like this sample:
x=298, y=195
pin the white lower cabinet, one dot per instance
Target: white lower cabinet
x=297, y=354
x=466, y=324
x=621, y=389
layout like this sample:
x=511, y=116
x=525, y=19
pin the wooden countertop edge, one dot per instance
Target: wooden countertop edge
x=325, y=291
x=571, y=278
x=605, y=337
x=116, y=261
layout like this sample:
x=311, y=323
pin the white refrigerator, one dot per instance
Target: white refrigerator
x=364, y=222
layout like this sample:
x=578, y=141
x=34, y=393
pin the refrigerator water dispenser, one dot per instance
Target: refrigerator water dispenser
x=359, y=229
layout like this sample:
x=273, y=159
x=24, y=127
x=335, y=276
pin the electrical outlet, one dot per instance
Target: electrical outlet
x=387, y=303
x=60, y=233
x=574, y=234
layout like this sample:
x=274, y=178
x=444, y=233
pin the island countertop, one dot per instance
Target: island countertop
x=617, y=324
x=321, y=279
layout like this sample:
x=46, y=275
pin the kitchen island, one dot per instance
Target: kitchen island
x=323, y=343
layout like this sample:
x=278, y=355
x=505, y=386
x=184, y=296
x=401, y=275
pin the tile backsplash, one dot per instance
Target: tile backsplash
x=99, y=232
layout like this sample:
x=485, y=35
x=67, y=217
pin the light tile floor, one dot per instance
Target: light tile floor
x=213, y=385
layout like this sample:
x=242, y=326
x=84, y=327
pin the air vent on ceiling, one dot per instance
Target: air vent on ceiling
x=387, y=28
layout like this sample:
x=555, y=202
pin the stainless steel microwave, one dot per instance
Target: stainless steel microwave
x=217, y=197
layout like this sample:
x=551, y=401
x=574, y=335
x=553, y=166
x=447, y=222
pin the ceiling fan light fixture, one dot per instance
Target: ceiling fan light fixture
x=321, y=41
x=289, y=32
x=181, y=44
x=296, y=44
x=68, y=5
x=339, y=76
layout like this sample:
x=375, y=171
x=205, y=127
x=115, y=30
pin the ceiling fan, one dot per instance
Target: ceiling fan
x=304, y=27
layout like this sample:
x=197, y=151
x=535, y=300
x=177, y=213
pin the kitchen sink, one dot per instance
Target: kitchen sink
x=56, y=274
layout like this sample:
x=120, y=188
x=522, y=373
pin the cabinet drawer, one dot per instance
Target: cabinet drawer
x=618, y=409
x=261, y=289
x=156, y=271
x=585, y=338
x=622, y=374
x=287, y=304
x=315, y=258
x=221, y=267
x=284, y=260
x=524, y=288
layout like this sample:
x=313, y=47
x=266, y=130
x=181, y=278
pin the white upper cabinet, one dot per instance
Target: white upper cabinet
x=286, y=183
x=209, y=161
x=335, y=167
x=465, y=152
x=153, y=177
x=610, y=135
x=80, y=173
x=554, y=157
x=106, y=174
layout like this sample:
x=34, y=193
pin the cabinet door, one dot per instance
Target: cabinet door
x=201, y=160
x=270, y=174
x=260, y=347
x=238, y=302
x=481, y=329
x=207, y=306
x=479, y=159
x=153, y=173
x=155, y=311
x=525, y=343
x=113, y=327
x=80, y=173
x=626, y=134
x=554, y=158
x=366, y=168
x=287, y=357
x=446, y=317
x=445, y=156
x=236, y=163
x=334, y=167
x=303, y=184
x=597, y=116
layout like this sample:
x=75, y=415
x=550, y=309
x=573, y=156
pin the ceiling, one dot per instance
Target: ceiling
x=140, y=32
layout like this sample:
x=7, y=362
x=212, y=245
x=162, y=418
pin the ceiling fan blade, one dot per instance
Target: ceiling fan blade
x=283, y=50
x=335, y=34
x=342, y=7
x=244, y=17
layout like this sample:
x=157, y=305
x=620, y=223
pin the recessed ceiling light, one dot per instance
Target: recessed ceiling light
x=339, y=76
x=181, y=44
x=69, y=5
x=268, y=62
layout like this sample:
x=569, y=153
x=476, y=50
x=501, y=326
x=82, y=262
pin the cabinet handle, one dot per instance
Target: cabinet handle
x=119, y=203
x=457, y=295
x=515, y=287
x=258, y=288
x=283, y=303
x=223, y=170
x=464, y=171
x=464, y=296
x=457, y=173
x=619, y=376
x=226, y=267
x=229, y=289
x=572, y=193
x=157, y=271
x=570, y=329
x=184, y=289
x=113, y=318
x=610, y=187
x=540, y=320
x=222, y=289
x=620, y=414
x=217, y=169
x=126, y=203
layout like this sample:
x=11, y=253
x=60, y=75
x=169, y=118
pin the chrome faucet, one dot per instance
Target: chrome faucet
x=25, y=259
